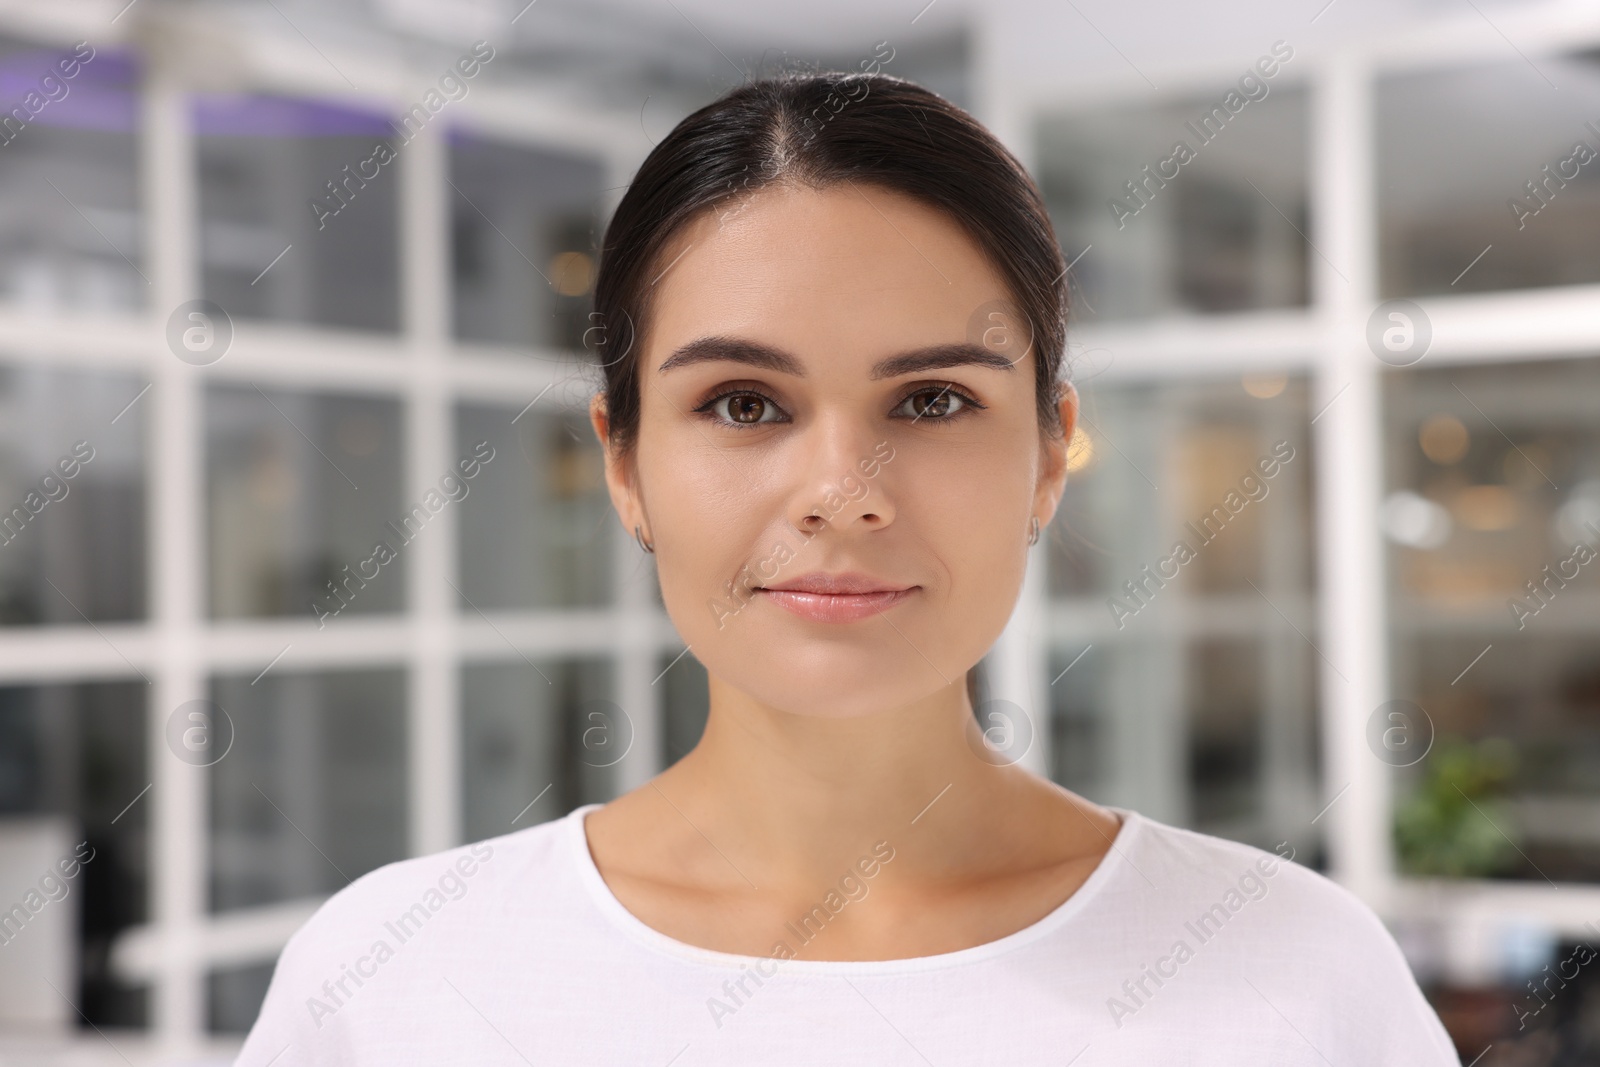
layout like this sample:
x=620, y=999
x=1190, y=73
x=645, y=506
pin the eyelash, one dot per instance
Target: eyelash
x=938, y=388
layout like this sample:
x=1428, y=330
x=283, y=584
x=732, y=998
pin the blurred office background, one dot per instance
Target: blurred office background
x=1344, y=667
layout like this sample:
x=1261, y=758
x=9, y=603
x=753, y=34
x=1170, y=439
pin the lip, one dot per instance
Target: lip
x=835, y=584
x=846, y=597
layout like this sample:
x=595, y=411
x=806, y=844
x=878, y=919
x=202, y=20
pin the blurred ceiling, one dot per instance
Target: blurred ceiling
x=659, y=59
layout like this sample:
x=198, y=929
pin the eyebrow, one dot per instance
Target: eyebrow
x=755, y=354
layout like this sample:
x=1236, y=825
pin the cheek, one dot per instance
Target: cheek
x=706, y=511
x=967, y=512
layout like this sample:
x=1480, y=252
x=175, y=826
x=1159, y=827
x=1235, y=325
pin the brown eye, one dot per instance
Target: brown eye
x=934, y=404
x=746, y=407
x=743, y=408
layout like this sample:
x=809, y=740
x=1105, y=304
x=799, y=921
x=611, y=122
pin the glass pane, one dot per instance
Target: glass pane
x=312, y=792
x=1216, y=735
x=538, y=739
x=1225, y=730
x=1493, y=519
x=1180, y=548
x=73, y=774
x=1543, y=985
x=1183, y=207
x=685, y=704
x=536, y=523
x=234, y=997
x=312, y=183
x=523, y=223
x=73, y=239
x=1080, y=736
x=1153, y=466
x=301, y=491
x=72, y=472
x=1486, y=180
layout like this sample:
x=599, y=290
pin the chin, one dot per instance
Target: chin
x=846, y=689
x=820, y=670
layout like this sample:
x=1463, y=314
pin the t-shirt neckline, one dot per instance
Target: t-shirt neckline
x=648, y=936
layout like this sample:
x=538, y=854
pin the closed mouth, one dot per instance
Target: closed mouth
x=843, y=584
x=836, y=598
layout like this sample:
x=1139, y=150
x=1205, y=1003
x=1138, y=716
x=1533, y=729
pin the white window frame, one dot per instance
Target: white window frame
x=178, y=647
x=1326, y=341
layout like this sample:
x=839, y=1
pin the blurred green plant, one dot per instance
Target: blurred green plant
x=1456, y=823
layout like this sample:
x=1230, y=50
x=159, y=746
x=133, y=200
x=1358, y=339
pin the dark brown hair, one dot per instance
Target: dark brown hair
x=822, y=129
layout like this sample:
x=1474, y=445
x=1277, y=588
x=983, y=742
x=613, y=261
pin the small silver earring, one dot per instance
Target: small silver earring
x=648, y=546
x=1033, y=531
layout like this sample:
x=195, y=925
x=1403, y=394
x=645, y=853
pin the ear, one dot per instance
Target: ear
x=621, y=480
x=1053, y=470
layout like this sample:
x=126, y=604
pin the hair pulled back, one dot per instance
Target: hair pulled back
x=822, y=129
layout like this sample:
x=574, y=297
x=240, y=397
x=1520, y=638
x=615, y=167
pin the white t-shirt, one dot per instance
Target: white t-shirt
x=1180, y=948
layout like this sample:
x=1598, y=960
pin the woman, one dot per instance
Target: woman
x=831, y=313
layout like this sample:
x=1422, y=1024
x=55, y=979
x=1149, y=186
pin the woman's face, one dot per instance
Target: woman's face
x=833, y=390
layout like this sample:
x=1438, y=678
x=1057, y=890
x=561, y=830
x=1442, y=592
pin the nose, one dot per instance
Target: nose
x=842, y=482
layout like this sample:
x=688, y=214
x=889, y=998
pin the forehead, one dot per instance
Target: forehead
x=844, y=272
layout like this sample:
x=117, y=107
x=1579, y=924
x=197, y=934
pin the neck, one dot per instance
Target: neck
x=802, y=797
